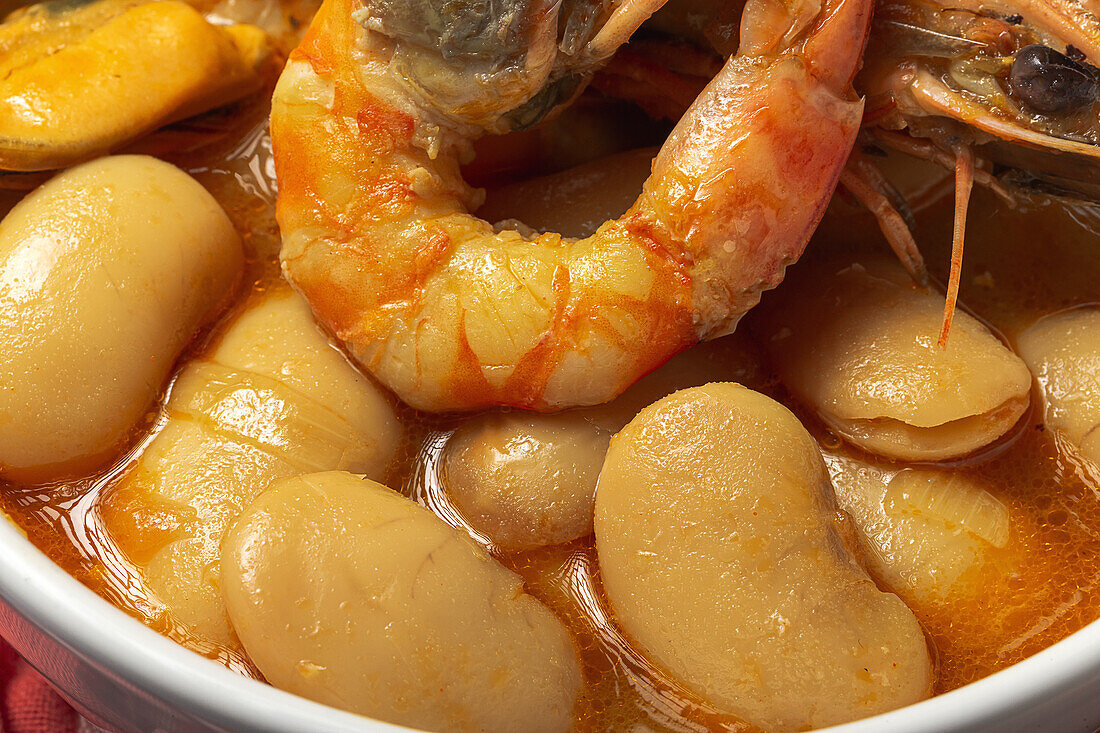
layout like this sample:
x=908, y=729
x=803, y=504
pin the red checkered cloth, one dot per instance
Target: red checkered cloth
x=29, y=704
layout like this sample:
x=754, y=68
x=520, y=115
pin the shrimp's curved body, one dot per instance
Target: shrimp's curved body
x=453, y=314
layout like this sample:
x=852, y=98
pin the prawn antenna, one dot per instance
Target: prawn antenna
x=964, y=183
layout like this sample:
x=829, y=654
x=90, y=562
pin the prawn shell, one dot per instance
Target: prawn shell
x=452, y=314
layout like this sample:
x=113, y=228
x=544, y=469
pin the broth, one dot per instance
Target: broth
x=1019, y=265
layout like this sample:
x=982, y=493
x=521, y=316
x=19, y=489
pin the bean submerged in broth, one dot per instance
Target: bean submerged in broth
x=526, y=481
x=272, y=399
x=930, y=534
x=106, y=272
x=348, y=593
x=722, y=554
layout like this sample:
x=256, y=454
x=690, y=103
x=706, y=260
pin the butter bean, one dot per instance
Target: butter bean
x=106, y=271
x=858, y=343
x=526, y=480
x=1063, y=352
x=721, y=552
x=350, y=594
x=274, y=398
x=930, y=533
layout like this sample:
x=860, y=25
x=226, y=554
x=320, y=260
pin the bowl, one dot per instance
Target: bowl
x=126, y=678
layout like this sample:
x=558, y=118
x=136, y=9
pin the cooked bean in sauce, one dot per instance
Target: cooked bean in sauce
x=710, y=550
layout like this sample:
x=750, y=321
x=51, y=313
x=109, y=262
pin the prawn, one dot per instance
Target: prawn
x=373, y=116
x=967, y=85
x=975, y=83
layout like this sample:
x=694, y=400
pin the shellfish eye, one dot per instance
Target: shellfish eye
x=1052, y=83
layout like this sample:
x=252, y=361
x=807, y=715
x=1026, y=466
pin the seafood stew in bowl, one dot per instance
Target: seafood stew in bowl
x=560, y=366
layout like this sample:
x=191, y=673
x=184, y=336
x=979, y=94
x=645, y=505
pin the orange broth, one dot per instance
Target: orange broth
x=1019, y=265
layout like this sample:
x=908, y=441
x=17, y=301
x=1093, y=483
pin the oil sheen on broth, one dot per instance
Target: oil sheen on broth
x=1019, y=266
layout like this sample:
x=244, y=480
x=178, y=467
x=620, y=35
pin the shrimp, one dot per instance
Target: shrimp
x=1013, y=79
x=372, y=118
x=967, y=85
x=971, y=83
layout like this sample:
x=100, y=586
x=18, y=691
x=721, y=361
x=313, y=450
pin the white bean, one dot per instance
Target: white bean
x=274, y=398
x=930, y=533
x=106, y=271
x=526, y=480
x=576, y=201
x=718, y=543
x=350, y=594
x=858, y=343
x=1063, y=352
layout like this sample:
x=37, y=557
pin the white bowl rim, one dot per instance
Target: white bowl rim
x=91, y=627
